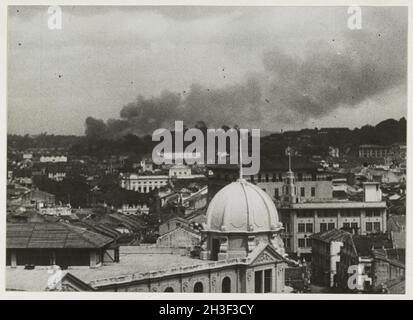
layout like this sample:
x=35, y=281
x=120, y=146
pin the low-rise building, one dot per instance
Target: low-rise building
x=179, y=171
x=53, y=158
x=396, y=229
x=326, y=247
x=46, y=244
x=143, y=183
x=364, y=265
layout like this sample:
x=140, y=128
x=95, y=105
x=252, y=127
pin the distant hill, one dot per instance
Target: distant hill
x=307, y=141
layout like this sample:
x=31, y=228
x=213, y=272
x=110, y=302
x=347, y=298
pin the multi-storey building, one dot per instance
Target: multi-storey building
x=311, y=183
x=306, y=204
x=396, y=150
x=302, y=218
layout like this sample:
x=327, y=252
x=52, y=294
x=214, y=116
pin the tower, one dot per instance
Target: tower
x=289, y=187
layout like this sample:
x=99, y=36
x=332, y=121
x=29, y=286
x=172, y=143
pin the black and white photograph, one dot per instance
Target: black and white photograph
x=252, y=149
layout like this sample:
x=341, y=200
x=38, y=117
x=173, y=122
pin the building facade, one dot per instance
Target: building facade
x=143, y=183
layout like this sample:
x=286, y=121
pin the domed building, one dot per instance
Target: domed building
x=240, y=217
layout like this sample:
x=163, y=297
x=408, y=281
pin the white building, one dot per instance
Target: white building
x=134, y=209
x=56, y=175
x=52, y=158
x=143, y=183
x=179, y=171
x=56, y=211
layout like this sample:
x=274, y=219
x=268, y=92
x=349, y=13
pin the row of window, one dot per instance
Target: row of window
x=150, y=182
x=333, y=213
x=277, y=177
x=262, y=282
x=308, y=227
x=302, y=191
x=199, y=287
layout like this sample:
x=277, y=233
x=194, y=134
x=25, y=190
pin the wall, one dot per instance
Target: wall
x=179, y=238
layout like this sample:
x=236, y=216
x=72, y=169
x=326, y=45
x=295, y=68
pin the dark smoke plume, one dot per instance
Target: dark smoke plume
x=328, y=74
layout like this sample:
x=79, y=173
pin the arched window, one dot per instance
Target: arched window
x=198, y=287
x=169, y=289
x=226, y=285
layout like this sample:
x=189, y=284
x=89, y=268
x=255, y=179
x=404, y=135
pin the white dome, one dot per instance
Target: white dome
x=242, y=207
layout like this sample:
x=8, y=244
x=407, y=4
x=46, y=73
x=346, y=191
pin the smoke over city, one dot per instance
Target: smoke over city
x=329, y=74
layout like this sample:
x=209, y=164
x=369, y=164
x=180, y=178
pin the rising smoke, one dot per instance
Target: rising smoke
x=328, y=74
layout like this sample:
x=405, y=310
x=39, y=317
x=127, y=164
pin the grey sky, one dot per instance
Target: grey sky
x=104, y=57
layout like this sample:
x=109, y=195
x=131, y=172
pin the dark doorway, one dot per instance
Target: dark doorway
x=198, y=287
x=258, y=281
x=215, y=249
x=226, y=285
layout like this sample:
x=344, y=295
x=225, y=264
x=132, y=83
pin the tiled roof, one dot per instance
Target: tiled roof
x=331, y=235
x=52, y=235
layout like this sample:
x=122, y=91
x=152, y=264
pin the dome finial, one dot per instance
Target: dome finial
x=240, y=157
x=289, y=158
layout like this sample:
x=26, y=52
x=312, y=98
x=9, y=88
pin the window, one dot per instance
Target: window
x=346, y=225
x=309, y=227
x=301, y=227
x=301, y=243
x=198, y=287
x=267, y=280
x=354, y=225
x=323, y=227
x=302, y=191
x=376, y=226
x=276, y=193
x=258, y=281
x=373, y=213
x=226, y=285
x=331, y=226
x=313, y=191
x=308, y=242
x=267, y=177
x=369, y=227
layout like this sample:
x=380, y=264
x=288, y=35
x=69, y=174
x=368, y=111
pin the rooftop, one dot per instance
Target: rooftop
x=331, y=235
x=55, y=235
x=343, y=204
x=136, y=263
